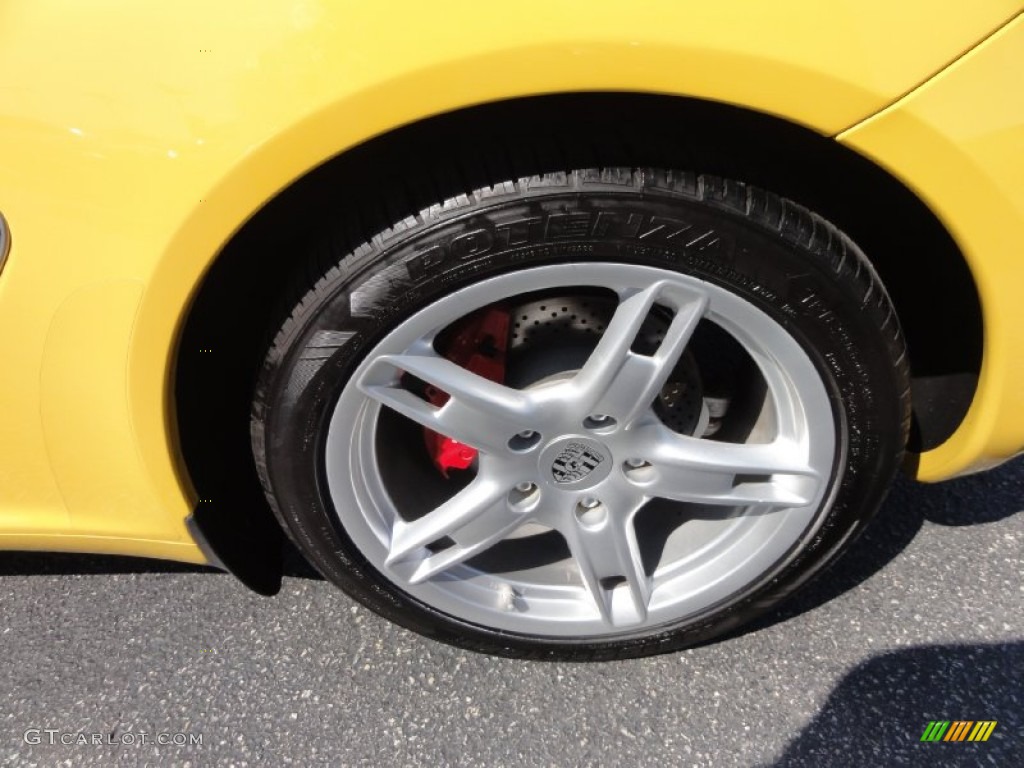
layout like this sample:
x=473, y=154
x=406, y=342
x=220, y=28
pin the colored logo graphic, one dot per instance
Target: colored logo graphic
x=958, y=730
x=575, y=463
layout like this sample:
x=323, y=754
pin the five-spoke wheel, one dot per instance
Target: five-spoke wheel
x=581, y=454
x=586, y=415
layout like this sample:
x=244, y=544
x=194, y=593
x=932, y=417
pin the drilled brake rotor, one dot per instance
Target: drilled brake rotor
x=553, y=336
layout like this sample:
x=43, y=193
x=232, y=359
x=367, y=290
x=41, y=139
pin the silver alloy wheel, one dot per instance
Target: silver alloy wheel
x=596, y=454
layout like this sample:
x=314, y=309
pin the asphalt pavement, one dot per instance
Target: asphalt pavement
x=103, y=659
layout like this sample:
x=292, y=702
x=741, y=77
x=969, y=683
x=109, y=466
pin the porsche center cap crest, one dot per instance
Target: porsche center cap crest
x=575, y=462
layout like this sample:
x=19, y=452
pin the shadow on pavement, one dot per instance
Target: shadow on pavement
x=878, y=712
x=64, y=564
x=966, y=501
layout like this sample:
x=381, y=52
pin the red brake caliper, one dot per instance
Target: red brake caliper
x=479, y=345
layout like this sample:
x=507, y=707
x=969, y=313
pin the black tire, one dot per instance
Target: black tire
x=782, y=258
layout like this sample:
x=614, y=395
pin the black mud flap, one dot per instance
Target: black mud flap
x=247, y=545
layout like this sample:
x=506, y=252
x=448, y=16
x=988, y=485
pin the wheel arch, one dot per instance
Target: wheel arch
x=234, y=307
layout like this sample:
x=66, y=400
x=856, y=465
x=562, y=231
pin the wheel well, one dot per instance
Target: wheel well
x=348, y=199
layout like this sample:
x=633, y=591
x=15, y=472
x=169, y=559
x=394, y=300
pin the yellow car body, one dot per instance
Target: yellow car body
x=137, y=139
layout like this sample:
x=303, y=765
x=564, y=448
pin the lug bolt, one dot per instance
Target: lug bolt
x=525, y=487
x=636, y=463
x=524, y=441
x=599, y=421
x=590, y=513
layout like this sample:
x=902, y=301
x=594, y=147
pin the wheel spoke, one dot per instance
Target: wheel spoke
x=479, y=412
x=476, y=518
x=609, y=562
x=774, y=475
x=622, y=384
